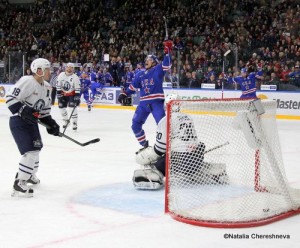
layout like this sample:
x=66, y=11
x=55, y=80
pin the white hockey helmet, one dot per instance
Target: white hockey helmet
x=172, y=96
x=39, y=63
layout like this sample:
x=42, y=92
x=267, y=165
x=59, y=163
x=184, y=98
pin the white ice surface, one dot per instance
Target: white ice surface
x=86, y=198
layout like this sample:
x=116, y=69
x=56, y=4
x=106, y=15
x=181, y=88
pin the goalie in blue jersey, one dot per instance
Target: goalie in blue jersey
x=150, y=83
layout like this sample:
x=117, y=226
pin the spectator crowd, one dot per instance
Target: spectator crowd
x=261, y=34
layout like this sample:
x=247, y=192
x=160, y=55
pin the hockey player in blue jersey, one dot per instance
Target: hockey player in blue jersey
x=85, y=84
x=247, y=83
x=150, y=83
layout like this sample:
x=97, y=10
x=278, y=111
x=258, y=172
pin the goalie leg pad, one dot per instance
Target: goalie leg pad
x=148, y=179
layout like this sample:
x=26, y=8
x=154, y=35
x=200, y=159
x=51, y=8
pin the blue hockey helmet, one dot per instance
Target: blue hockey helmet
x=244, y=70
x=153, y=57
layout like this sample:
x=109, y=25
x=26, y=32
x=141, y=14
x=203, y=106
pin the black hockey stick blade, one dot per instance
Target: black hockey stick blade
x=71, y=139
x=79, y=143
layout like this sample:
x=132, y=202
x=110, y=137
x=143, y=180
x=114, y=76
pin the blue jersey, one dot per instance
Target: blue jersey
x=85, y=84
x=295, y=77
x=93, y=77
x=107, y=79
x=247, y=84
x=128, y=79
x=150, y=82
x=100, y=77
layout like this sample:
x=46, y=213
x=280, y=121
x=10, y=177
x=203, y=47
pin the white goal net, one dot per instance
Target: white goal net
x=224, y=164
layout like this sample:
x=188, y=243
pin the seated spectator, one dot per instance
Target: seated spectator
x=193, y=82
x=274, y=80
x=213, y=80
x=284, y=78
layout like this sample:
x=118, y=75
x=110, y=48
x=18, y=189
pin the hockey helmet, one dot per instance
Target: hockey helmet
x=153, y=57
x=244, y=70
x=171, y=97
x=70, y=65
x=39, y=63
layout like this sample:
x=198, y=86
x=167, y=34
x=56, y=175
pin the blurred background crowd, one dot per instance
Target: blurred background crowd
x=261, y=35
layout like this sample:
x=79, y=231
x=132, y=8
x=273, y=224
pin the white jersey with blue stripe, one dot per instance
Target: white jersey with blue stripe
x=30, y=92
x=183, y=135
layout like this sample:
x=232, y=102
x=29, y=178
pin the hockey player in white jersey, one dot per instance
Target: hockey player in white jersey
x=29, y=100
x=186, y=143
x=68, y=94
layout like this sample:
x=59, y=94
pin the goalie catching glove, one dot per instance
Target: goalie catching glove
x=146, y=156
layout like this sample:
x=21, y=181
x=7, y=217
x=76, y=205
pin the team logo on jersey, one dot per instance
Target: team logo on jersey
x=66, y=86
x=39, y=105
x=2, y=91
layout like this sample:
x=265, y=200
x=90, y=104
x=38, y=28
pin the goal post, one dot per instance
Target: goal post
x=224, y=165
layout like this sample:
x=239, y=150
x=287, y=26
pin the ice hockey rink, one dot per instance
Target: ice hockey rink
x=86, y=198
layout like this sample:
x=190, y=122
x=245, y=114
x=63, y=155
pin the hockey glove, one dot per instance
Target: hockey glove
x=53, y=127
x=60, y=97
x=28, y=114
x=77, y=99
x=168, y=46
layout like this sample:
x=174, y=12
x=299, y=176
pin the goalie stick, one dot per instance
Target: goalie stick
x=216, y=147
x=71, y=139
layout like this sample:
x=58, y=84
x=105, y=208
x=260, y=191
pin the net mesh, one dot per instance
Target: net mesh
x=224, y=162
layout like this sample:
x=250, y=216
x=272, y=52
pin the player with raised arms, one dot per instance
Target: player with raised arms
x=29, y=100
x=150, y=83
x=247, y=82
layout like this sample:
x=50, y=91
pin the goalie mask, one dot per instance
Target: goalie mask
x=171, y=97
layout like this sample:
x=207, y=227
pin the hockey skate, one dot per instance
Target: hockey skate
x=89, y=107
x=74, y=126
x=21, y=189
x=148, y=178
x=33, y=180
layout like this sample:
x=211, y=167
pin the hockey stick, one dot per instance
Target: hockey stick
x=216, y=147
x=166, y=28
x=69, y=138
x=68, y=122
x=166, y=38
x=225, y=54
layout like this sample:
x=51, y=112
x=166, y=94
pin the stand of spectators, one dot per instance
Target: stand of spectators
x=257, y=32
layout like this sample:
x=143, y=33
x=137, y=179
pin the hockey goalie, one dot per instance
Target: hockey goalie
x=153, y=161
